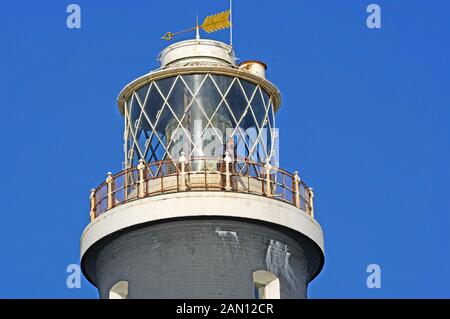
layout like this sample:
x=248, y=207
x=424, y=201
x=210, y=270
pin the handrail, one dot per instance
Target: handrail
x=201, y=174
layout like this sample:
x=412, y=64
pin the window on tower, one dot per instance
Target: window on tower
x=119, y=290
x=266, y=285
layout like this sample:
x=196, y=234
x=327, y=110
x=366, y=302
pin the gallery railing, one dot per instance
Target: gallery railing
x=200, y=174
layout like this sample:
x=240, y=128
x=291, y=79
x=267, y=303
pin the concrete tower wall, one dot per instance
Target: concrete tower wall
x=203, y=258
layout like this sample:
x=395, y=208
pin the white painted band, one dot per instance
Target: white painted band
x=204, y=203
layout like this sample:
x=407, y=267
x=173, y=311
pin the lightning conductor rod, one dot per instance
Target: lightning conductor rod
x=231, y=23
x=197, y=28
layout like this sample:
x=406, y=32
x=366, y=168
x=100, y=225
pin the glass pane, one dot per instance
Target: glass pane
x=194, y=81
x=165, y=85
x=208, y=97
x=142, y=93
x=271, y=116
x=236, y=100
x=259, y=110
x=154, y=103
x=248, y=120
x=212, y=143
x=249, y=88
x=179, y=99
x=266, y=97
x=165, y=120
x=196, y=124
x=223, y=121
x=223, y=82
x=135, y=111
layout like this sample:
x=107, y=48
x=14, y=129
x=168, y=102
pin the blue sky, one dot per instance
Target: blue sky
x=365, y=118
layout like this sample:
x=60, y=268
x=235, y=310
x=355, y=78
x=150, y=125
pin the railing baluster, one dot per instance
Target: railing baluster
x=295, y=188
x=261, y=180
x=268, y=167
x=183, y=161
x=109, y=183
x=141, y=168
x=125, y=185
x=311, y=201
x=227, y=172
x=161, y=172
x=93, y=208
x=247, y=172
x=206, y=173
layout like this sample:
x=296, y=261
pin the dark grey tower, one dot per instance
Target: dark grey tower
x=201, y=208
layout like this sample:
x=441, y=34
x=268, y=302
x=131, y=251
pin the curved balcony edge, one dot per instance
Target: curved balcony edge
x=200, y=174
x=201, y=205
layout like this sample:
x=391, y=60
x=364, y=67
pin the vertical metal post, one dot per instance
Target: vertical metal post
x=141, y=170
x=231, y=23
x=126, y=178
x=296, y=193
x=206, y=174
x=227, y=160
x=183, y=161
x=92, y=197
x=197, y=30
x=161, y=172
x=109, y=185
x=268, y=167
x=125, y=134
x=311, y=201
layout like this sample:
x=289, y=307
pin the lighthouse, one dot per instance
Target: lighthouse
x=201, y=207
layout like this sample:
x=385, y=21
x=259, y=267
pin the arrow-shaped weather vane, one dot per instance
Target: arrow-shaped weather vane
x=212, y=23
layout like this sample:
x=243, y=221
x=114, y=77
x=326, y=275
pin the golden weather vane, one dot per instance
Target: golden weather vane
x=212, y=23
x=215, y=22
